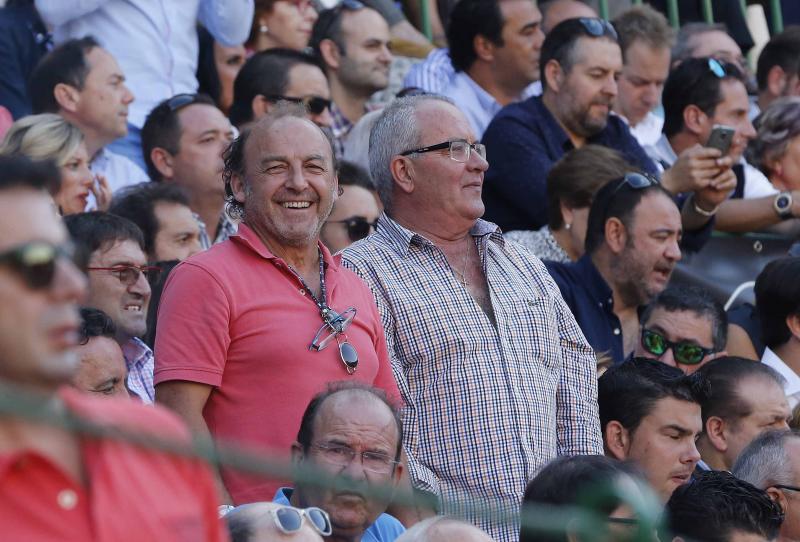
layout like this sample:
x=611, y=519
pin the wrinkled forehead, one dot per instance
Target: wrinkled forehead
x=286, y=136
x=439, y=121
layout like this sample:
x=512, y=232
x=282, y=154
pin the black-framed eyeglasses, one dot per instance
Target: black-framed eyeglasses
x=36, y=262
x=341, y=456
x=460, y=149
x=333, y=329
x=598, y=27
x=313, y=104
x=685, y=352
x=790, y=488
x=358, y=227
x=289, y=519
x=129, y=274
x=181, y=100
x=636, y=181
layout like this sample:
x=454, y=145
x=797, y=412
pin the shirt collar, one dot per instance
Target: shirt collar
x=792, y=379
x=246, y=237
x=402, y=238
x=485, y=100
x=591, y=277
x=136, y=352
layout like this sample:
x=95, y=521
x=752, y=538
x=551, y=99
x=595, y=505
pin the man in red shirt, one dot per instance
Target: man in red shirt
x=61, y=486
x=250, y=330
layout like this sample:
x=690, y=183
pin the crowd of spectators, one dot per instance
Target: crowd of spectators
x=445, y=313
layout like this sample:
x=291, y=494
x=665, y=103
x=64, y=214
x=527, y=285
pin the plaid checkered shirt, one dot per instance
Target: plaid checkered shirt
x=485, y=406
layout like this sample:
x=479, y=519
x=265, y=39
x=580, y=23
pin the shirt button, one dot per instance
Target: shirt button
x=67, y=499
x=616, y=331
x=302, y=291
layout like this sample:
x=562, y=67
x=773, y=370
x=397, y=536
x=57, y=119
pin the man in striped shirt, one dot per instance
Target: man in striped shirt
x=496, y=376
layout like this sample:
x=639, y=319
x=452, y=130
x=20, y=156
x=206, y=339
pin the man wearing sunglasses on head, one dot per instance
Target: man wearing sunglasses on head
x=275, y=75
x=251, y=329
x=355, y=213
x=115, y=262
x=58, y=484
x=685, y=327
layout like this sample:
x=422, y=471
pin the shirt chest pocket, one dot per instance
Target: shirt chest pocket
x=530, y=334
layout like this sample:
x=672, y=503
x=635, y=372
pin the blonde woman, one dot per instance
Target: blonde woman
x=50, y=137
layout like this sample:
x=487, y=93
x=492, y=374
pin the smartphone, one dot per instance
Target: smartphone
x=721, y=138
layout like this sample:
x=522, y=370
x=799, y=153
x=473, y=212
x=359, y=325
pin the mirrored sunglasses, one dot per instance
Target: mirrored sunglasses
x=684, y=352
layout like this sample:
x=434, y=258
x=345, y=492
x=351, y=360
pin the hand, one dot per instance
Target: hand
x=695, y=169
x=716, y=191
x=102, y=192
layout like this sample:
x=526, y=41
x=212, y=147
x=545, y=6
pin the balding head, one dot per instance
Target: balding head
x=255, y=522
x=442, y=529
x=558, y=11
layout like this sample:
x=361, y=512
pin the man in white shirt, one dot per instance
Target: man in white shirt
x=154, y=41
x=494, y=48
x=645, y=38
x=778, y=304
x=83, y=83
x=703, y=93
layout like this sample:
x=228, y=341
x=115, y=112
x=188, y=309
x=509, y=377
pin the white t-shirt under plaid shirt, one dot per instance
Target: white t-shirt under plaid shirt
x=485, y=406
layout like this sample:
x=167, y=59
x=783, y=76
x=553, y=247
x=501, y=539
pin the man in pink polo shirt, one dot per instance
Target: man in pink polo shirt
x=250, y=330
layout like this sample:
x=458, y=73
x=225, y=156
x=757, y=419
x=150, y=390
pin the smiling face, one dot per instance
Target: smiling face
x=76, y=183
x=360, y=422
x=644, y=266
x=584, y=95
x=38, y=327
x=125, y=304
x=663, y=445
x=290, y=184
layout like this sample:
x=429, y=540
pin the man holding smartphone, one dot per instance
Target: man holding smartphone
x=706, y=116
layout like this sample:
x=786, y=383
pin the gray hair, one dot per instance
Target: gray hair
x=395, y=132
x=42, y=137
x=765, y=462
x=777, y=125
x=683, y=48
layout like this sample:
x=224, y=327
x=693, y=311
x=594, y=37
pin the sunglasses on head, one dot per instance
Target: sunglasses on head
x=181, y=100
x=36, y=262
x=358, y=227
x=313, y=104
x=636, y=181
x=598, y=27
x=289, y=520
x=129, y=274
x=684, y=352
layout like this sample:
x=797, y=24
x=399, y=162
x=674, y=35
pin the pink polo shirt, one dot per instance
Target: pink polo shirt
x=235, y=318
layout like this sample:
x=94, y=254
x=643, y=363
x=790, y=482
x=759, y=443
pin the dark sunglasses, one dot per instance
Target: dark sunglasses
x=313, y=104
x=35, y=262
x=290, y=520
x=636, y=181
x=598, y=27
x=358, y=227
x=129, y=274
x=684, y=352
x=181, y=100
x=333, y=328
x=790, y=488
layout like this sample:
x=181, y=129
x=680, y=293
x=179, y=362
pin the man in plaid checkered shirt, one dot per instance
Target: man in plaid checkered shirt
x=496, y=375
